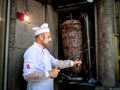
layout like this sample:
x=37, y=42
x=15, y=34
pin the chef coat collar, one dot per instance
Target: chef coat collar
x=40, y=46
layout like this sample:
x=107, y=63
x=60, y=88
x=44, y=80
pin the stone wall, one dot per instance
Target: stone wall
x=105, y=51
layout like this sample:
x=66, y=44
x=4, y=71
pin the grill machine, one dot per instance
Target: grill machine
x=77, y=38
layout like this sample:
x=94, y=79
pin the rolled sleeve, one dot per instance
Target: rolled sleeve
x=71, y=63
x=46, y=74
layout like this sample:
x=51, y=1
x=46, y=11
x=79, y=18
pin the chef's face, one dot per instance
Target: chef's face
x=46, y=39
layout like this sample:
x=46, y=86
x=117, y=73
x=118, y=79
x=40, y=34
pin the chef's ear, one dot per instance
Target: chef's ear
x=41, y=37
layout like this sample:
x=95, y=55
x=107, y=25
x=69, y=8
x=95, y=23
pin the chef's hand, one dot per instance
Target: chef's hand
x=54, y=72
x=77, y=62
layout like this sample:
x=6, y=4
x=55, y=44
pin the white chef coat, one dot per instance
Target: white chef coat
x=38, y=59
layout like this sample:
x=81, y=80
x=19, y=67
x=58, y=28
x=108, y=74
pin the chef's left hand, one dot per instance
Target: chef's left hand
x=77, y=62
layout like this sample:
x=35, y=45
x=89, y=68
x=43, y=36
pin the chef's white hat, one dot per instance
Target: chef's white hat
x=42, y=29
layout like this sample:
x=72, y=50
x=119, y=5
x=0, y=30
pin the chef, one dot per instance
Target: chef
x=40, y=67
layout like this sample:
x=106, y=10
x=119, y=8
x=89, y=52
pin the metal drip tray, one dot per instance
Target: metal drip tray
x=75, y=78
x=71, y=78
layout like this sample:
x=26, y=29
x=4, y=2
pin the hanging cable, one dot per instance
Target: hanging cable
x=26, y=6
x=46, y=1
x=26, y=17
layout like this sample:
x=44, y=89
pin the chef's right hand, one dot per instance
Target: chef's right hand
x=54, y=72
